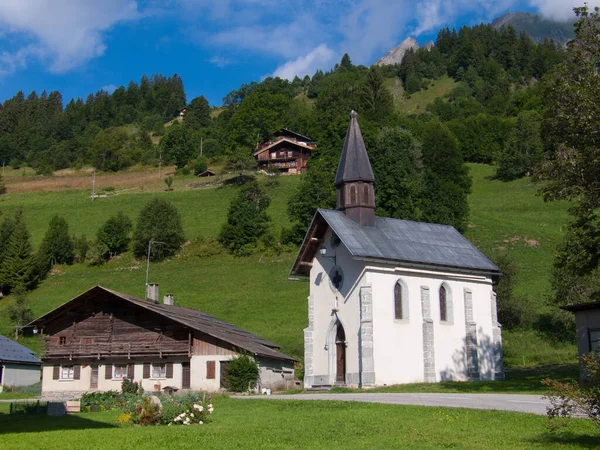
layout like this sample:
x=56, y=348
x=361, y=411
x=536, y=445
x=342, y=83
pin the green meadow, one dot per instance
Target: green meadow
x=303, y=424
x=253, y=292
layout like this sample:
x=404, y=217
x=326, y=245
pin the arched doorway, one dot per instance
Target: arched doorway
x=340, y=354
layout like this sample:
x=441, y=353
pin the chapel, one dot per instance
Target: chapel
x=392, y=301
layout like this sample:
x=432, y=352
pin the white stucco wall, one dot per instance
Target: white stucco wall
x=397, y=344
x=14, y=375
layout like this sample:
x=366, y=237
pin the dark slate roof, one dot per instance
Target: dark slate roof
x=592, y=306
x=12, y=352
x=402, y=241
x=354, y=162
x=194, y=319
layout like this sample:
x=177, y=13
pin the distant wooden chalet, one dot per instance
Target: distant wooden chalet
x=94, y=341
x=287, y=151
x=18, y=365
x=207, y=173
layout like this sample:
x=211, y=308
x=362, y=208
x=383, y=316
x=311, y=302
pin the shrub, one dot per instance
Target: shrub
x=57, y=246
x=81, y=247
x=104, y=400
x=2, y=186
x=242, y=374
x=169, y=182
x=15, y=164
x=186, y=410
x=200, y=165
x=147, y=413
x=97, y=253
x=159, y=221
x=114, y=233
x=570, y=398
x=129, y=386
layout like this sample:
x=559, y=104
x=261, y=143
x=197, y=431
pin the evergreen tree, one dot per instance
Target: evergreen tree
x=19, y=312
x=115, y=233
x=159, y=221
x=523, y=149
x=57, y=246
x=247, y=219
x=197, y=114
x=376, y=100
x=19, y=268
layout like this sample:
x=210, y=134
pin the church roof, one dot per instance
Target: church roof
x=12, y=352
x=354, y=162
x=397, y=241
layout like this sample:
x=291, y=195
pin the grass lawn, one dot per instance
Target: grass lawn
x=297, y=424
x=417, y=103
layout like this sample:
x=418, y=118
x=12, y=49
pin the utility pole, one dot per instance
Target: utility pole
x=94, y=184
x=150, y=242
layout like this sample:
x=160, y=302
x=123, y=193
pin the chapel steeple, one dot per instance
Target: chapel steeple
x=354, y=179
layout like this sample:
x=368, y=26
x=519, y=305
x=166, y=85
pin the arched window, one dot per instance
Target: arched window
x=400, y=301
x=366, y=194
x=443, y=304
x=353, y=195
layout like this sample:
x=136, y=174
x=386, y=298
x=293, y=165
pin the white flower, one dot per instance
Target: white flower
x=200, y=408
x=210, y=410
x=200, y=423
x=210, y=406
x=192, y=414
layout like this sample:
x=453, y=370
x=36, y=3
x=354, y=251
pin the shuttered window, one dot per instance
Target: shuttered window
x=146, y=373
x=76, y=372
x=130, y=371
x=170, y=370
x=108, y=372
x=185, y=375
x=210, y=370
x=56, y=372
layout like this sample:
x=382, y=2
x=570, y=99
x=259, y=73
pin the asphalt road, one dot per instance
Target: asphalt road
x=533, y=404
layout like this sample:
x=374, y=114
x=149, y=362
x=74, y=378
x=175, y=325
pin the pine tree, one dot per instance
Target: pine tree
x=18, y=268
x=57, y=246
x=159, y=221
x=115, y=233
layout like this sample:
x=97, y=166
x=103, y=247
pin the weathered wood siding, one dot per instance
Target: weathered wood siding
x=112, y=328
x=208, y=345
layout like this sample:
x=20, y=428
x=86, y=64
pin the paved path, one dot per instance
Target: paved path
x=506, y=402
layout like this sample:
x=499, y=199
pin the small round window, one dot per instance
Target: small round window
x=336, y=278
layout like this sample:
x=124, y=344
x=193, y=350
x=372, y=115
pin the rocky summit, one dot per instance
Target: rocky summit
x=536, y=26
x=396, y=54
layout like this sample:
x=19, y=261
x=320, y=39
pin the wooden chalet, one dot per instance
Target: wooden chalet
x=287, y=151
x=100, y=337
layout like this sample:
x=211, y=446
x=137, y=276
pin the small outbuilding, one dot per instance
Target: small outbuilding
x=18, y=365
x=587, y=323
x=207, y=173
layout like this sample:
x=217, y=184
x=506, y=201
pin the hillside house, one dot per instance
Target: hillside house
x=101, y=336
x=392, y=301
x=287, y=152
x=18, y=365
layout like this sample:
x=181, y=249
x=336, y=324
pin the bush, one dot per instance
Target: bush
x=129, y=386
x=2, y=186
x=103, y=400
x=570, y=398
x=57, y=246
x=114, y=233
x=81, y=247
x=185, y=410
x=242, y=374
x=97, y=254
x=15, y=164
x=159, y=221
x=147, y=413
x=200, y=165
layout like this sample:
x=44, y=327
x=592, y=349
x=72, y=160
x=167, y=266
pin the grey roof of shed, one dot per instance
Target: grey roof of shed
x=354, y=163
x=591, y=306
x=192, y=318
x=12, y=352
x=405, y=241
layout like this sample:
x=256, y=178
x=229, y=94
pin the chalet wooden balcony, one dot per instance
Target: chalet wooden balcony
x=117, y=349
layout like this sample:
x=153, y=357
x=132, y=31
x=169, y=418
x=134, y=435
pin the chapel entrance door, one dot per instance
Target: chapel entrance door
x=340, y=354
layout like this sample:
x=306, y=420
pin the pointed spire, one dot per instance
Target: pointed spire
x=354, y=178
x=354, y=163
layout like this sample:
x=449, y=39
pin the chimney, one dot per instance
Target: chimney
x=152, y=292
x=168, y=299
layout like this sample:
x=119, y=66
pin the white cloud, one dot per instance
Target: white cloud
x=560, y=9
x=219, y=61
x=62, y=33
x=318, y=58
x=110, y=88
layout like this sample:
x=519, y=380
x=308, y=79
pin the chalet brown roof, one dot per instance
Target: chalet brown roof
x=289, y=141
x=354, y=162
x=192, y=318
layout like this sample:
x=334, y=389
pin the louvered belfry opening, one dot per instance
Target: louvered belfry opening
x=354, y=181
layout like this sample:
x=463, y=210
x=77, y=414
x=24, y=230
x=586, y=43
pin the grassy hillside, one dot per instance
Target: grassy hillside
x=417, y=102
x=253, y=292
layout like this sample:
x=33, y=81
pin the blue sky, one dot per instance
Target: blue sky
x=81, y=46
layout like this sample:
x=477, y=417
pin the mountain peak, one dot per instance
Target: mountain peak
x=536, y=26
x=396, y=54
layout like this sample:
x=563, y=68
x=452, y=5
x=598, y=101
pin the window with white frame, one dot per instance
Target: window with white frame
x=120, y=371
x=67, y=372
x=159, y=370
